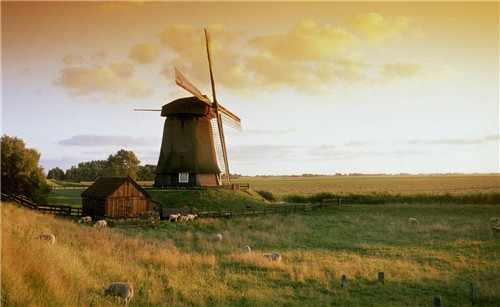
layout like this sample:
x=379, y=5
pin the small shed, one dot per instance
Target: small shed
x=116, y=197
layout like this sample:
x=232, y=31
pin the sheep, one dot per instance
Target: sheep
x=192, y=216
x=413, y=220
x=121, y=289
x=174, y=217
x=47, y=238
x=85, y=219
x=101, y=223
x=246, y=249
x=218, y=237
x=183, y=218
x=274, y=257
x=495, y=231
x=495, y=220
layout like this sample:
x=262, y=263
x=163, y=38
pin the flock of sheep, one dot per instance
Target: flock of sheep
x=181, y=218
x=126, y=290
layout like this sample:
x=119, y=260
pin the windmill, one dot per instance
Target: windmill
x=193, y=150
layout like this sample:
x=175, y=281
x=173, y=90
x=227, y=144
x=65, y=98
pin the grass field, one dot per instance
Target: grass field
x=181, y=264
x=382, y=189
x=439, y=184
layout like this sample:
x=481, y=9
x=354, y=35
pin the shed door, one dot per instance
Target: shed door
x=125, y=207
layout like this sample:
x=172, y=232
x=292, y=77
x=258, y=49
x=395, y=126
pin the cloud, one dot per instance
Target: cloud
x=105, y=140
x=331, y=152
x=308, y=58
x=262, y=153
x=491, y=138
x=270, y=132
x=190, y=57
x=71, y=59
x=112, y=81
x=375, y=28
x=144, y=53
x=305, y=42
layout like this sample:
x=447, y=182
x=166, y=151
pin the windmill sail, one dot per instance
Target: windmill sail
x=216, y=107
x=229, y=118
x=218, y=146
x=183, y=82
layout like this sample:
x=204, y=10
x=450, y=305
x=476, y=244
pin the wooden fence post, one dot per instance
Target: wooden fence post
x=437, y=301
x=381, y=277
x=340, y=201
x=471, y=294
x=343, y=281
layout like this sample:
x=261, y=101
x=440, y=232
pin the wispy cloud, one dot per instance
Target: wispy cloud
x=270, y=132
x=331, y=152
x=105, y=140
x=112, y=81
x=144, y=53
x=375, y=28
x=262, y=153
x=465, y=141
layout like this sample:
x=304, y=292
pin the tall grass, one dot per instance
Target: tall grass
x=398, y=198
x=181, y=264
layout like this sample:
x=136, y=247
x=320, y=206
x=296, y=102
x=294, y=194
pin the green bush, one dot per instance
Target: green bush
x=269, y=196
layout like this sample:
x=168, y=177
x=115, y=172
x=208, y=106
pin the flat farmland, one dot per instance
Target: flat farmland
x=439, y=184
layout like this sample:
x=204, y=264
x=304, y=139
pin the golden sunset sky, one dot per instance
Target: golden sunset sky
x=320, y=87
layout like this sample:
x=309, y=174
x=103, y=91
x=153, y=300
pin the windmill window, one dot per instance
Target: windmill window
x=183, y=177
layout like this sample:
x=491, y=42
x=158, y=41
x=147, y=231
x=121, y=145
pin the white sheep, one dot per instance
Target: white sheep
x=274, y=257
x=218, y=237
x=173, y=217
x=246, y=249
x=413, y=220
x=121, y=289
x=495, y=220
x=47, y=238
x=495, y=231
x=183, y=218
x=101, y=224
x=192, y=216
x=85, y=219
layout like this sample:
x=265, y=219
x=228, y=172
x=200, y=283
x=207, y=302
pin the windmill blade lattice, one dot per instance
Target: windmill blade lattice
x=183, y=82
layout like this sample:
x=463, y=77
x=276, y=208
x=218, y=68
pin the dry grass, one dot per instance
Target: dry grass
x=179, y=265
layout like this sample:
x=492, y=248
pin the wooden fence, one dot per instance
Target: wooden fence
x=72, y=187
x=228, y=213
x=234, y=186
x=52, y=209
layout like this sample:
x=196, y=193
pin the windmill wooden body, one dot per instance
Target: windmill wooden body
x=193, y=150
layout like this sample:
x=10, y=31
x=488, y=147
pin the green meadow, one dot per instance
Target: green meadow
x=181, y=264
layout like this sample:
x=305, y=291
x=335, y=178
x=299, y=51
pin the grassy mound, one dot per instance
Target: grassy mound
x=208, y=199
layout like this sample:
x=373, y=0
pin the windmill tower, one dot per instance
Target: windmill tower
x=193, y=150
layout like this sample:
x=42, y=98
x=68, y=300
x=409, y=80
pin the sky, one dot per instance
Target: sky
x=320, y=87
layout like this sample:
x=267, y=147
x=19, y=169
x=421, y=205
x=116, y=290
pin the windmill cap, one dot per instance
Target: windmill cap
x=188, y=105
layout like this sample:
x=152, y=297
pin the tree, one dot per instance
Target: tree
x=56, y=173
x=146, y=172
x=21, y=173
x=123, y=163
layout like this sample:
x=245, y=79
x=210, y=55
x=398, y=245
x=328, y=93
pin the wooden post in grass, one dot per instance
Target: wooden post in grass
x=340, y=201
x=471, y=294
x=437, y=301
x=381, y=277
x=343, y=281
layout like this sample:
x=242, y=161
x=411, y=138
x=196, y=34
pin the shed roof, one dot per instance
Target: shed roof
x=105, y=186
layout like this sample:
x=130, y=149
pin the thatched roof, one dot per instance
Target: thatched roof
x=188, y=105
x=106, y=186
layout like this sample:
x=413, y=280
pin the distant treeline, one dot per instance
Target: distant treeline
x=123, y=163
x=373, y=175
